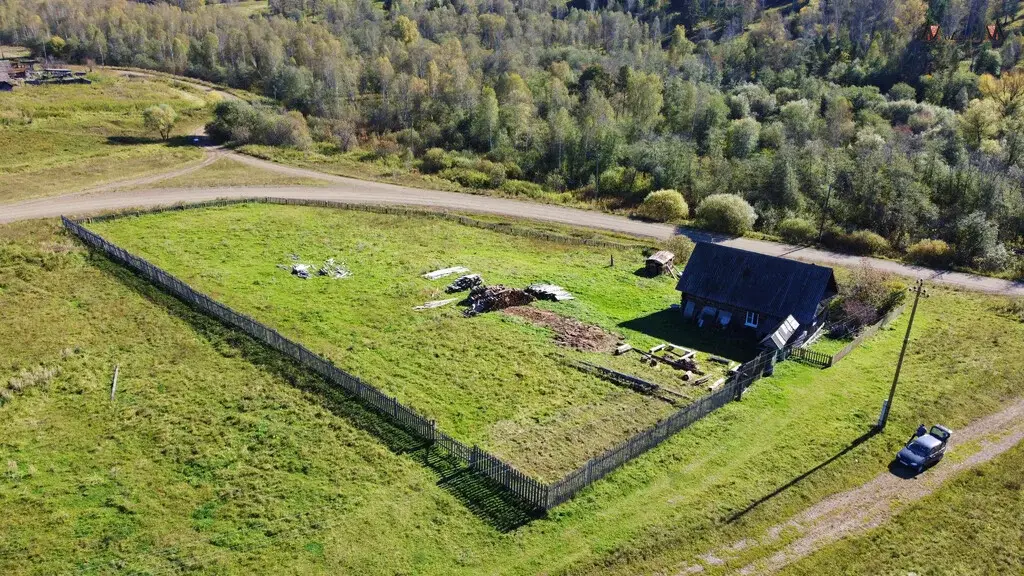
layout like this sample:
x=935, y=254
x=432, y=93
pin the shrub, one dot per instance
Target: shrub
x=663, y=206
x=933, y=253
x=726, y=213
x=624, y=183
x=681, y=246
x=495, y=172
x=434, y=160
x=467, y=177
x=866, y=242
x=902, y=91
x=797, y=231
x=522, y=188
x=242, y=123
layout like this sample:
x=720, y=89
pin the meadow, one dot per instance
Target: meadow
x=66, y=138
x=496, y=380
x=217, y=456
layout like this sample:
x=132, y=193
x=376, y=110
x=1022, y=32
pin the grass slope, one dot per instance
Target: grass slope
x=64, y=138
x=215, y=459
x=494, y=380
x=228, y=172
x=970, y=526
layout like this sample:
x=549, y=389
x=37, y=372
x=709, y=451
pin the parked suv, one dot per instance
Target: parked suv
x=925, y=448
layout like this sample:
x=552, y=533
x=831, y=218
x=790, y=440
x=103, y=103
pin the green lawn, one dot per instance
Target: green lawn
x=217, y=457
x=494, y=380
x=64, y=138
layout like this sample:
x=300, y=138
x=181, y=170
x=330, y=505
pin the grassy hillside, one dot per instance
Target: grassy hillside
x=971, y=526
x=229, y=172
x=64, y=138
x=216, y=457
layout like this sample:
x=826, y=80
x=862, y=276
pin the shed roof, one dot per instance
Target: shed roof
x=661, y=257
x=756, y=282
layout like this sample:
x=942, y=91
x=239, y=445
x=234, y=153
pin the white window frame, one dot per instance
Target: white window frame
x=752, y=319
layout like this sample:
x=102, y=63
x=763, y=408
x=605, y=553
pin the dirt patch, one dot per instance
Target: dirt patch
x=568, y=331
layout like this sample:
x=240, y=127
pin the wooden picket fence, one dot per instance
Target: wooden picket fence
x=529, y=490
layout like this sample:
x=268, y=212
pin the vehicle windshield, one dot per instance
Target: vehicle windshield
x=918, y=449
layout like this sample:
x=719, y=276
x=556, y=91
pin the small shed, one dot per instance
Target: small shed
x=660, y=262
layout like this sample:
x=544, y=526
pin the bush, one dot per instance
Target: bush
x=663, y=206
x=726, y=213
x=797, y=231
x=933, y=253
x=902, y=91
x=495, y=172
x=242, y=123
x=866, y=242
x=681, y=246
x=522, y=188
x=434, y=160
x=467, y=177
x=624, y=183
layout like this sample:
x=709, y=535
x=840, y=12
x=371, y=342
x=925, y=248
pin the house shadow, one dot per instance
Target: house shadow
x=483, y=497
x=670, y=326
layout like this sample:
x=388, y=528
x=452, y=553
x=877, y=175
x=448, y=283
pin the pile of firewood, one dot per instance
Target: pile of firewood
x=497, y=297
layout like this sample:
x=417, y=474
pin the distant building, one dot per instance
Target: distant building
x=768, y=297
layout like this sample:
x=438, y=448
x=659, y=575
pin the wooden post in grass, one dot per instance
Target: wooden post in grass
x=113, y=385
x=899, y=365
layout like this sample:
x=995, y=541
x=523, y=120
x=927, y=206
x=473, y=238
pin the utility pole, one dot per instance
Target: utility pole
x=899, y=365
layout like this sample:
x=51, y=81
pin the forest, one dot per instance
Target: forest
x=888, y=127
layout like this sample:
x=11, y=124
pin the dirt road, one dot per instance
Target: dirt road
x=873, y=503
x=360, y=191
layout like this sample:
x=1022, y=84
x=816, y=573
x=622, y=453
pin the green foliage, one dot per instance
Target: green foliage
x=435, y=160
x=467, y=177
x=663, y=206
x=243, y=123
x=742, y=137
x=797, y=231
x=726, y=213
x=522, y=188
x=860, y=242
x=625, y=183
x=932, y=253
x=681, y=246
x=160, y=119
x=902, y=91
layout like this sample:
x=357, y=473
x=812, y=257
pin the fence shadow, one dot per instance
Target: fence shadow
x=482, y=496
x=856, y=442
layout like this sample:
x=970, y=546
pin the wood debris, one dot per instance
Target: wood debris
x=434, y=304
x=436, y=274
x=497, y=297
x=549, y=292
x=463, y=283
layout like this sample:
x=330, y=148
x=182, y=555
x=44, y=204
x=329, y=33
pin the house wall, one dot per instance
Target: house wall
x=765, y=324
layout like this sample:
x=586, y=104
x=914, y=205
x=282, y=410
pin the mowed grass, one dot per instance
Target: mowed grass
x=213, y=459
x=65, y=138
x=493, y=380
x=228, y=172
x=972, y=525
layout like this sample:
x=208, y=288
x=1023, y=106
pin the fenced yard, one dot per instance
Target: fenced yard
x=524, y=485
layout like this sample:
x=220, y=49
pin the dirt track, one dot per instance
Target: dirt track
x=871, y=504
x=360, y=191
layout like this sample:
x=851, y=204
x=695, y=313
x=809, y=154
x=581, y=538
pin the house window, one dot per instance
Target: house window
x=752, y=319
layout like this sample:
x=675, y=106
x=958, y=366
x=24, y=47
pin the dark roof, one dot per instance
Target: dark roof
x=756, y=282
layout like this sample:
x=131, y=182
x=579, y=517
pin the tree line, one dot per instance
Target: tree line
x=834, y=120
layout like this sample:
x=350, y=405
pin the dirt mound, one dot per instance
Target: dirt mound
x=568, y=331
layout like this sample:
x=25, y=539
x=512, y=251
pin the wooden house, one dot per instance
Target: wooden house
x=736, y=290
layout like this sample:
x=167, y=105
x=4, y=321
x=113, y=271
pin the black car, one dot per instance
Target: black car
x=924, y=450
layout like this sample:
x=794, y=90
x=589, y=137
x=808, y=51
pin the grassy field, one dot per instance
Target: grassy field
x=228, y=172
x=217, y=457
x=970, y=526
x=64, y=138
x=495, y=380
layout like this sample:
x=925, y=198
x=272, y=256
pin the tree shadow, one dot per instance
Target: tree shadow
x=670, y=326
x=482, y=496
x=172, y=142
x=753, y=505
